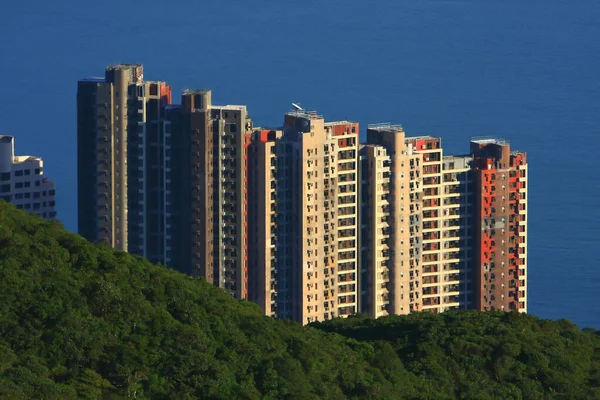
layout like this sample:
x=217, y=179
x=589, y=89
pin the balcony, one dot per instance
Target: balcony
x=347, y=289
x=452, y=289
x=435, y=301
x=451, y=267
x=452, y=201
x=431, y=203
x=430, y=258
x=450, y=190
x=430, y=214
x=430, y=192
x=455, y=255
x=451, y=299
x=430, y=269
x=347, y=178
x=431, y=236
x=430, y=225
x=429, y=280
x=346, y=277
x=431, y=180
x=455, y=244
x=348, y=200
x=431, y=247
x=346, y=299
x=452, y=223
x=430, y=291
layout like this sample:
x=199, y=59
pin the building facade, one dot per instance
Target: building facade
x=409, y=229
x=167, y=182
x=22, y=181
x=304, y=218
x=386, y=188
x=118, y=127
x=420, y=247
x=446, y=227
x=270, y=219
x=207, y=234
x=301, y=219
x=500, y=226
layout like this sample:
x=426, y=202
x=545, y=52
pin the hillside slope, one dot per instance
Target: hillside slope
x=85, y=321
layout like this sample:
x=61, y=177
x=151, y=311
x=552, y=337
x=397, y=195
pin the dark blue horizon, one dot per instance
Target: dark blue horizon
x=525, y=71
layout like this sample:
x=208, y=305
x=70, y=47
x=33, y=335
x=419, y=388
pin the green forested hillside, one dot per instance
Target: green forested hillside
x=84, y=321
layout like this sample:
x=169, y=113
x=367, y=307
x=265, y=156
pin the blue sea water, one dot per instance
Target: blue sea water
x=527, y=71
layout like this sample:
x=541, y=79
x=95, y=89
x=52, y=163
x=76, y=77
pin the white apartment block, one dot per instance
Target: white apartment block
x=22, y=181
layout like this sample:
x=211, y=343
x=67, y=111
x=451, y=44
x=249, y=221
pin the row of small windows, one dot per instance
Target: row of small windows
x=35, y=206
x=36, y=195
x=19, y=185
x=5, y=176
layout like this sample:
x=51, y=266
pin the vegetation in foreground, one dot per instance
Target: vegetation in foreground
x=84, y=321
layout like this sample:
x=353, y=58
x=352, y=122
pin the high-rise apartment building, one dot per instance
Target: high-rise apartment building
x=500, y=226
x=270, y=222
x=390, y=234
x=207, y=234
x=22, y=181
x=168, y=182
x=416, y=224
x=118, y=140
x=375, y=225
x=457, y=235
x=304, y=182
x=446, y=228
x=413, y=239
x=302, y=219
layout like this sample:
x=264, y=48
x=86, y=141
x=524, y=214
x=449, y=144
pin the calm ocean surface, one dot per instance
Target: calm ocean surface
x=528, y=71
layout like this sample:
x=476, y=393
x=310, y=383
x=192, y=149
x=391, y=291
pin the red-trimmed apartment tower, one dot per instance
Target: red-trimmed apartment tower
x=500, y=226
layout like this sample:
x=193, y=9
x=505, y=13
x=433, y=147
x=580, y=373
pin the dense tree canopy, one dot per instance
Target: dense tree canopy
x=84, y=321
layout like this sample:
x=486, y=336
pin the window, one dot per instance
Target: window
x=18, y=173
x=38, y=183
x=6, y=198
x=27, y=172
x=5, y=176
x=51, y=192
x=27, y=184
x=19, y=185
x=5, y=188
x=38, y=171
x=36, y=206
x=36, y=195
x=27, y=195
